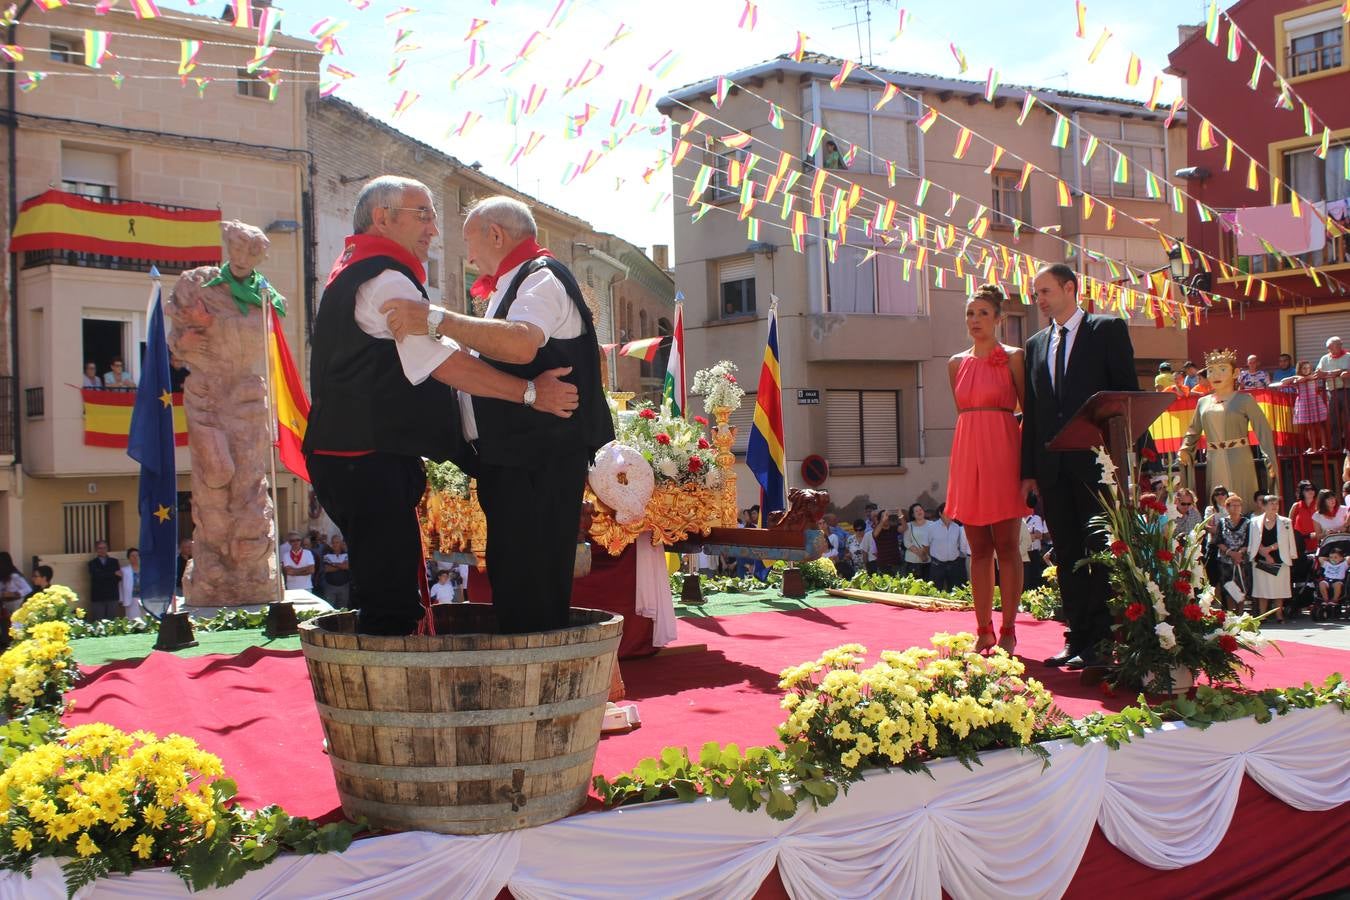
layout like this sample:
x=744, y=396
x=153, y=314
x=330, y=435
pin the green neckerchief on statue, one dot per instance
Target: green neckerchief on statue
x=248, y=291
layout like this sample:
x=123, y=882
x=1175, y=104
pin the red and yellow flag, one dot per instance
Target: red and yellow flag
x=1168, y=429
x=56, y=220
x=107, y=418
x=644, y=349
x=291, y=402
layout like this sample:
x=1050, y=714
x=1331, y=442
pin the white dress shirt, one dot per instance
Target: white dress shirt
x=419, y=355
x=949, y=541
x=1073, y=324
x=543, y=302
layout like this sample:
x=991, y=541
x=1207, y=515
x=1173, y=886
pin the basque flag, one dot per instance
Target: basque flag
x=765, y=456
x=151, y=443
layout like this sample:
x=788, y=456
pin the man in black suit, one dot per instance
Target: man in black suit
x=1067, y=362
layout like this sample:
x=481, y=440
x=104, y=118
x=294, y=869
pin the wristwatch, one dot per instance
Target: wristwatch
x=528, y=399
x=434, y=316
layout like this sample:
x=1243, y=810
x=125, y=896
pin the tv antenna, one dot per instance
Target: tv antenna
x=862, y=22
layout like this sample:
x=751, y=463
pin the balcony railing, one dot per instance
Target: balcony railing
x=7, y=423
x=1315, y=59
x=1335, y=251
x=35, y=258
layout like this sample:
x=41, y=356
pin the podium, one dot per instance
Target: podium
x=1116, y=419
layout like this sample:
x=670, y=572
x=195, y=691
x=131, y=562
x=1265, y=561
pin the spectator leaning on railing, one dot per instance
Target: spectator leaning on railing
x=1333, y=367
x=118, y=379
x=1253, y=377
x=1285, y=369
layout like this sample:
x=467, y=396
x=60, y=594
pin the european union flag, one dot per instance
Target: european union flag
x=151, y=444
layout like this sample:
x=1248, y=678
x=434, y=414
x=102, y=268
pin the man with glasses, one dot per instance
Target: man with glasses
x=1187, y=515
x=536, y=319
x=378, y=406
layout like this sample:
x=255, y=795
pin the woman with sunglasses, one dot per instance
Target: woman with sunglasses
x=1187, y=515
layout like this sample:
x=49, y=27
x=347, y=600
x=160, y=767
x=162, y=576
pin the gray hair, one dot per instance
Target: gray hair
x=508, y=213
x=381, y=193
x=1333, y=340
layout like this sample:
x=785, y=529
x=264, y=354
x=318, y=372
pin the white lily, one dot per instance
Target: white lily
x=1167, y=638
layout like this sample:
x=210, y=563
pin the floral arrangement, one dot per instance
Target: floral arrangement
x=676, y=448
x=37, y=670
x=56, y=603
x=448, y=478
x=912, y=706
x=718, y=387
x=113, y=802
x=1171, y=625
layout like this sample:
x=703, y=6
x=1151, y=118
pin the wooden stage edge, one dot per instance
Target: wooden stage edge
x=904, y=601
x=681, y=649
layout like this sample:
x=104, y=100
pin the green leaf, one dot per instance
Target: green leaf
x=822, y=789
x=780, y=805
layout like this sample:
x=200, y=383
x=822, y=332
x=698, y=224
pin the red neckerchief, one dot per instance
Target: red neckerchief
x=525, y=251
x=1335, y=355
x=365, y=246
x=297, y=555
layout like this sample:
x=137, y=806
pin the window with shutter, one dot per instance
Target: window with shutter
x=843, y=424
x=863, y=428
x=736, y=281
x=744, y=420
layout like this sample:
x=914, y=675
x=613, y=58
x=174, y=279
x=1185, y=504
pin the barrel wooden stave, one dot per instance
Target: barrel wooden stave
x=399, y=774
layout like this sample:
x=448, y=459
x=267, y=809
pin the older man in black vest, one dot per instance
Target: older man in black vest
x=379, y=407
x=531, y=471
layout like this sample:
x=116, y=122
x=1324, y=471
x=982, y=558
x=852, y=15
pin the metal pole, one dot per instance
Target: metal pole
x=272, y=432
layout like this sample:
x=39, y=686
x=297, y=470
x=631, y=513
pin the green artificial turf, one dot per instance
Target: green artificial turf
x=97, y=651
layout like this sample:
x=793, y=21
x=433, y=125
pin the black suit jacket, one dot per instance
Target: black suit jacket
x=1101, y=359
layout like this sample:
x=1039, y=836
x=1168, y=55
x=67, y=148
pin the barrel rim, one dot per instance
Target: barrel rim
x=312, y=627
x=451, y=659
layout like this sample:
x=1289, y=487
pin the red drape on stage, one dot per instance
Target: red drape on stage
x=611, y=586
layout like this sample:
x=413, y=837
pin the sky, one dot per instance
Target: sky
x=663, y=46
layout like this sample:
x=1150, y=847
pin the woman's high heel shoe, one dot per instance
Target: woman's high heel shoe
x=1007, y=638
x=986, y=639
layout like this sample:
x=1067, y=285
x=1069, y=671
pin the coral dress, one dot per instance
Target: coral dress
x=985, y=479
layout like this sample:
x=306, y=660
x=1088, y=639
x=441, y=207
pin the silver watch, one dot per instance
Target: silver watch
x=434, y=316
x=528, y=399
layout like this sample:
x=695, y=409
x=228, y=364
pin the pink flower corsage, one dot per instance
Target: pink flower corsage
x=998, y=356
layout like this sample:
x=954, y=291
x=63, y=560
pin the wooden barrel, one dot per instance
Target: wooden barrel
x=467, y=731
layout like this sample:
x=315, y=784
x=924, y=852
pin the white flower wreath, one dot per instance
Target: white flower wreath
x=623, y=480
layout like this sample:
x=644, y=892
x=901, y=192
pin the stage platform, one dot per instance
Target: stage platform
x=1006, y=829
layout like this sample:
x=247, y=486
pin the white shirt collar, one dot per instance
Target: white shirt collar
x=1074, y=321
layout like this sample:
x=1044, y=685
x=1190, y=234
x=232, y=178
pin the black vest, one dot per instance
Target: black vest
x=512, y=434
x=361, y=400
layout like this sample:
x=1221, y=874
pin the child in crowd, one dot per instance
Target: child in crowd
x=443, y=591
x=1331, y=586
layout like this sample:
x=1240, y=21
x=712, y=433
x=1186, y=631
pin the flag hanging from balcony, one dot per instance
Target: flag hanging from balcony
x=57, y=220
x=674, y=387
x=107, y=417
x=152, y=439
x=291, y=403
x=765, y=457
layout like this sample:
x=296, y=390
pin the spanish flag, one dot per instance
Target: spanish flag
x=1169, y=429
x=107, y=417
x=291, y=403
x=57, y=220
x=644, y=349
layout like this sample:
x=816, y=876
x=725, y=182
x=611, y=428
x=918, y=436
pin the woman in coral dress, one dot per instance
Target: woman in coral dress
x=984, y=491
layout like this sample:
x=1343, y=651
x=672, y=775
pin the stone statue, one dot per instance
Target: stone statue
x=1226, y=417
x=221, y=338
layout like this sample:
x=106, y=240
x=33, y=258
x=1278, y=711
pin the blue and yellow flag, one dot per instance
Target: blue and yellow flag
x=765, y=457
x=151, y=444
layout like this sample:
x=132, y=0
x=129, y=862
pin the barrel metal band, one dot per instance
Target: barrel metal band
x=446, y=659
x=461, y=718
x=546, y=808
x=441, y=774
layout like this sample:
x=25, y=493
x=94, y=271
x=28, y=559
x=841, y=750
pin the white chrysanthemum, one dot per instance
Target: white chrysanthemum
x=1167, y=638
x=667, y=467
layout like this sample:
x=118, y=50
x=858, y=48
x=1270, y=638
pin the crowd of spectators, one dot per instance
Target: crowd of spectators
x=1321, y=391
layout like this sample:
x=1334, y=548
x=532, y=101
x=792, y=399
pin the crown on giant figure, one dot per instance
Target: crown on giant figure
x=1227, y=356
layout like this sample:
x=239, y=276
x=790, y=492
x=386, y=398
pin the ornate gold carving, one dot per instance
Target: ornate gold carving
x=454, y=524
x=724, y=435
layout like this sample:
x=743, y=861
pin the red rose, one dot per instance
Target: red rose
x=1228, y=643
x=1219, y=616
x=1182, y=586
x=647, y=414
x=700, y=420
x=1192, y=611
x=663, y=438
x=1134, y=611
x=1119, y=548
x=695, y=464
x=1164, y=555
x=1149, y=455
x=703, y=444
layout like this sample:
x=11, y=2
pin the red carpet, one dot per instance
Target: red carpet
x=256, y=711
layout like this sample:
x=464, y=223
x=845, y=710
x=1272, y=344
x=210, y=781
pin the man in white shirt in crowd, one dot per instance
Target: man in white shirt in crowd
x=1332, y=367
x=949, y=551
x=379, y=407
x=1036, y=530
x=297, y=564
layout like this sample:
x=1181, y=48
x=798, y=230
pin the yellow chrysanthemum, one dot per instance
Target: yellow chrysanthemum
x=144, y=846
x=22, y=838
